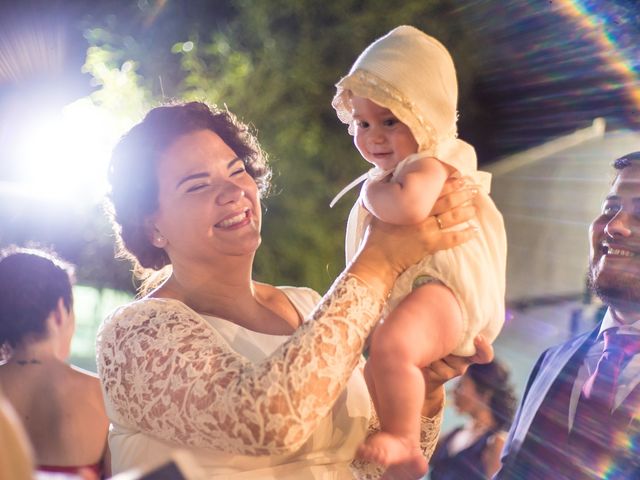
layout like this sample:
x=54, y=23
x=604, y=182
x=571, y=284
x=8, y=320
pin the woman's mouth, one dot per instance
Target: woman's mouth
x=233, y=220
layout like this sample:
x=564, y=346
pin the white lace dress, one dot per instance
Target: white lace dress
x=246, y=405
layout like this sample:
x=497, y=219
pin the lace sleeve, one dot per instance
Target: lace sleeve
x=169, y=374
x=429, y=433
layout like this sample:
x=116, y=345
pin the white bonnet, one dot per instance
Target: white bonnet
x=411, y=74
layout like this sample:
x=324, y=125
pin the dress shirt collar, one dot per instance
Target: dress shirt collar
x=610, y=320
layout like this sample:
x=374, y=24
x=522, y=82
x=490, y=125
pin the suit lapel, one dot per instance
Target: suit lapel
x=554, y=362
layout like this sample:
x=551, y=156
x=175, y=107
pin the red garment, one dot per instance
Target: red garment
x=96, y=468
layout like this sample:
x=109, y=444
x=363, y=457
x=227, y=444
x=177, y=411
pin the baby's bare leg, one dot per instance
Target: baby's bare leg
x=424, y=327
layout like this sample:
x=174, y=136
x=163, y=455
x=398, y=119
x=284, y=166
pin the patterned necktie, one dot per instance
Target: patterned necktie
x=593, y=413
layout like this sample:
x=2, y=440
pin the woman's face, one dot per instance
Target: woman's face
x=466, y=397
x=208, y=204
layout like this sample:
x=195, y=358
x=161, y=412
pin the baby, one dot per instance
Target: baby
x=399, y=100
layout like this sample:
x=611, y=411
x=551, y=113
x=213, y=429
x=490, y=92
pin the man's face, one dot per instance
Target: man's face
x=614, y=270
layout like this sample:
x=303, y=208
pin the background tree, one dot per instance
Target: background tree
x=274, y=63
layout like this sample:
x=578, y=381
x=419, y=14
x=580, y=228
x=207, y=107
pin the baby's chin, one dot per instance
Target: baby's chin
x=384, y=163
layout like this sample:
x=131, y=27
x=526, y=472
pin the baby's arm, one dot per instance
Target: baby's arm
x=408, y=198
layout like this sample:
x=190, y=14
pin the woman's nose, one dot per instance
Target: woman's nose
x=618, y=226
x=229, y=193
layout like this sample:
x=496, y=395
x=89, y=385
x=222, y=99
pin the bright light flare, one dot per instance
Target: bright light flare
x=65, y=156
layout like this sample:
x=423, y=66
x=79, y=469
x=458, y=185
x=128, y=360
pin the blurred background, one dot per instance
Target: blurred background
x=549, y=96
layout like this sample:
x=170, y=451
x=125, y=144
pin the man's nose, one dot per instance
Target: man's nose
x=618, y=226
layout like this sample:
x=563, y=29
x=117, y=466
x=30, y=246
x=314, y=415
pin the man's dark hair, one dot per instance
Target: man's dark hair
x=625, y=161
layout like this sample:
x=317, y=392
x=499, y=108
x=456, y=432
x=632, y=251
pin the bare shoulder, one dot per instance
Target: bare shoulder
x=268, y=294
x=291, y=303
x=85, y=382
x=85, y=377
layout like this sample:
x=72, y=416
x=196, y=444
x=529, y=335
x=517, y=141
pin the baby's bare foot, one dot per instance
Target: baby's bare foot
x=403, y=459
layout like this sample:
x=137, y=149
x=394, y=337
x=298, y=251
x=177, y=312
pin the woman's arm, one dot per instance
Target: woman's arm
x=167, y=373
x=409, y=198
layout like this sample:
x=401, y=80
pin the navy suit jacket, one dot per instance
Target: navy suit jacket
x=547, y=369
x=545, y=372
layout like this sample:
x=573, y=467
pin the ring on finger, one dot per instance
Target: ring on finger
x=439, y=222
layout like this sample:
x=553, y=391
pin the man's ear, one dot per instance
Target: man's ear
x=153, y=234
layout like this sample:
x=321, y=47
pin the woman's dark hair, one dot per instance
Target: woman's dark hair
x=493, y=378
x=31, y=283
x=133, y=170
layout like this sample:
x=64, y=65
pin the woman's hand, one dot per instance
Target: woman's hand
x=441, y=371
x=390, y=249
x=455, y=193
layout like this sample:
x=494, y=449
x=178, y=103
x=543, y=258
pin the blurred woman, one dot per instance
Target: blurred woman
x=15, y=455
x=60, y=406
x=472, y=451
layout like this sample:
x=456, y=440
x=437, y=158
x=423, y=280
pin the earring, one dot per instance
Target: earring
x=159, y=241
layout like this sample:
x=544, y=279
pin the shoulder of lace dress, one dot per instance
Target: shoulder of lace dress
x=169, y=374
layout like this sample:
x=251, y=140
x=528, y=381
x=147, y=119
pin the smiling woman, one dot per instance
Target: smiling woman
x=145, y=152
x=256, y=381
x=207, y=200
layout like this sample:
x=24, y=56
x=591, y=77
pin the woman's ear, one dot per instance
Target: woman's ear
x=59, y=311
x=57, y=316
x=153, y=234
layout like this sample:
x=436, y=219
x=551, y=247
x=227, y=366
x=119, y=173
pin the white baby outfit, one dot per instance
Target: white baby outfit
x=413, y=75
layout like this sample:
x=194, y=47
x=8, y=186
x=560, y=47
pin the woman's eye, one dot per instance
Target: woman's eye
x=389, y=122
x=195, y=188
x=362, y=124
x=238, y=171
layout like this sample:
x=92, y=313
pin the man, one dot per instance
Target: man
x=579, y=416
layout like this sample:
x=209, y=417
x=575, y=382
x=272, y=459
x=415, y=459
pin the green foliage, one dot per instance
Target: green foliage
x=274, y=64
x=120, y=89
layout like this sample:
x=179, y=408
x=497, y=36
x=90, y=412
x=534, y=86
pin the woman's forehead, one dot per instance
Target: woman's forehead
x=195, y=150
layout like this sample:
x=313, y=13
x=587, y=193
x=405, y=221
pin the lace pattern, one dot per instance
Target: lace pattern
x=167, y=373
x=429, y=433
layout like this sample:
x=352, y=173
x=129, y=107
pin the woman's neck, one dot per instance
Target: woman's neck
x=34, y=353
x=482, y=420
x=211, y=289
x=228, y=291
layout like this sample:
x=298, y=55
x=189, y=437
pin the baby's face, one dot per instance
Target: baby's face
x=380, y=137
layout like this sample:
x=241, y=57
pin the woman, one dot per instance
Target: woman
x=60, y=406
x=472, y=451
x=255, y=381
